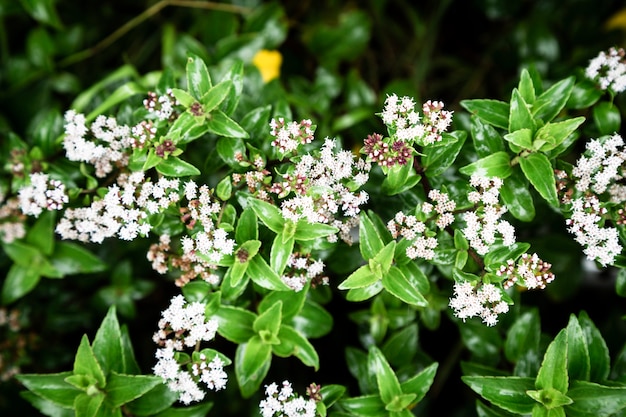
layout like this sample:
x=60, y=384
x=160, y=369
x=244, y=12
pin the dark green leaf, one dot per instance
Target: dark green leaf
x=508, y=393
x=522, y=336
x=584, y=94
x=252, y=361
x=420, y=383
x=401, y=347
x=549, y=104
x=485, y=138
x=222, y=125
x=598, y=351
x=517, y=197
x=403, y=287
x=365, y=406
x=312, y=321
x=200, y=410
x=440, y=158
x=235, y=324
x=43, y=11
x=607, y=118
x=107, y=344
x=292, y=302
x=538, y=170
x=176, y=167
x=154, y=401
x=51, y=387
x=71, y=258
x=46, y=407
x=494, y=112
x=19, y=281
x=553, y=371
x=41, y=234
x=388, y=384
x=122, y=389
x=121, y=94
x=294, y=343
x=592, y=400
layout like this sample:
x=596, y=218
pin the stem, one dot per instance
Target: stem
x=143, y=16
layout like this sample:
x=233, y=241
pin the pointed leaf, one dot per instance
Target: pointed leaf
x=19, y=281
x=440, y=158
x=198, y=79
x=538, y=170
x=269, y=214
x=292, y=302
x=107, y=345
x=522, y=138
x=578, y=365
x=270, y=320
x=364, y=293
x=154, y=401
x=235, y=76
x=360, y=278
x=222, y=125
x=85, y=363
x=517, y=197
x=494, y=165
x=90, y=405
x=592, y=400
x=173, y=166
x=485, y=138
x=367, y=405
x=598, y=351
x=553, y=371
x=235, y=323
x=508, y=393
x=215, y=96
x=552, y=135
x=550, y=103
x=494, y=112
x=122, y=389
x=306, y=231
x=522, y=336
x=519, y=114
x=403, y=287
x=52, y=387
x=261, y=273
x=388, y=384
x=70, y=258
x=247, y=227
x=370, y=241
x=420, y=383
x=607, y=118
x=41, y=234
x=312, y=321
x=526, y=88
x=252, y=361
x=293, y=343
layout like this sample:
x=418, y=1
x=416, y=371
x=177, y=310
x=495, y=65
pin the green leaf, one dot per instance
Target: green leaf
x=598, y=351
x=122, y=389
x=261, y=273
x=550, y=103
x=526, y=88
x=154, y=401
x=280, y=253
x=522, y=138
x=401, y=347
x=19, y=281
x=306, y=231
x=235, y=76
x=370, y=241
x=173, y=166
x=508, y=393
x=592, y=400
x=86, y=98
x=224, y=188
x=388, y=384
x=121, y=94
x=620, y=283
x=362, y=277
x=501, y=254
x=364, y=293
x=247, y=250
x=269, y=214
x=46, y=407
x=52, y=387
x=519, y=113
x=129, y=361
x=107, y=344
x=43, y=11
x=538, y=170
x=421, y=382
x=366, y=406
x=198, y=79
x=247, y=228
x=85, y=363
x=41, y=234
x=550, y=398
x=235, y=323
x=584, y=94
x=268, y=323
x=607, y=118
x=90, y=405
x=551, y=135
x=256, y=121
x=517, y=197
x=294, y=343
x=493, y=112
x=553, y=371
x=200, y=410
x=292, y=302
x=440, y=158
x=397, y=177
x=485, y=138
x=222, y=125
x=403, y=287
x=70, y=258
x=578, y=365
x=183, y=97
x=215, y=96
x=185, y=129
x=494, y=165
x=523, y=336
x=252, y=361
x=312, y=320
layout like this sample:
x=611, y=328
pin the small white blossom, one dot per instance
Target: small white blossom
x=484, y=302
x=608, y=69
x=43, y=193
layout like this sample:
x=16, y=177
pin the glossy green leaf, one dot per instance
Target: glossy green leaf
x=198, y=79
x=523, y=138
x=252, y=362
x=129, y=361
x=539, y=171
x=494, y=165
x=494, y=112
x=41, y=234
x=247, y=227
x=365, y=406
x=121, y=94
x=224, y=188
x=370, y=241
x=598, y=351
x=553, y=371
x=508, y=393
x=154, y=401
x=19, y=281
x=306, y=231
x=484, y=411
x=550, y=399
x=91, y=406
x=501, y=254
x=280, y=253
x=397, y=177
x=401, y=347
x=312, y=321
x=215, y=96
x=421, y=382
x=200, y=410
x=620, y=283
x=222, y=125
x=526, y=88
x=122, y=389
x=85, y=363
x=607, y=118
x=183, y=97
x=107, y=346
x=71, y=258
x=403, y=287
x=519, y=114
x=578, y=364
x=517, y=197
x=176, y=167
x=388, y=384
x=294, y=343
x=269, y=214
x=43, y=11
x=484, y=342
x=268, y=323
x=584, y=94
x=592, y=400
x=416, y=277
x=45, y=406
x=550, y=103
x=236, y=78
x=261, y=273
x=51, y=387
x=360, y=278
x=440, y=158
x=485, y=137
x=235, y=323
x=523, y=336
x=552, y=135
x=86, y=98
x=292, y=302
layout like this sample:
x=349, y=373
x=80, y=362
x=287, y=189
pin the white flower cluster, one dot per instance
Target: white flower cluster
x=109, y=147
x=210, y=240
x=122, y=212
x=11, y=220
x=285, y=403
x=534, y=272
x=586, y=223
x=185, y=325
x=324, y=189
x=301, y=269
x=163, y=107
x=608, y=69
x=288, y=136
x=484, y=302
x=598, y=171
x=43, y=193
x=484, y=224
x=422, y=239
x=406, y=124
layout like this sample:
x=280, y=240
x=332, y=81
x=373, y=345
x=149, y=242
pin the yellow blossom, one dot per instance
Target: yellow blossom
x=268, y=62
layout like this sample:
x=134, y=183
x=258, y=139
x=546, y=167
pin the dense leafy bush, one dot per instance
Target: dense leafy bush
x=263, y=192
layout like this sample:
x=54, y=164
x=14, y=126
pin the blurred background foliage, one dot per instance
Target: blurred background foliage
x=339, y=60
